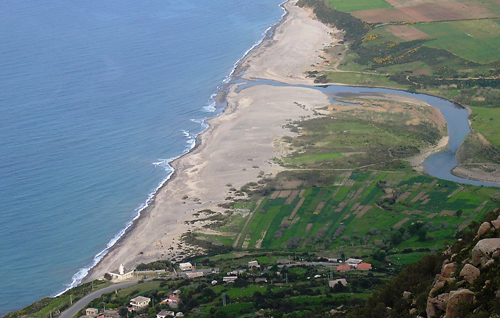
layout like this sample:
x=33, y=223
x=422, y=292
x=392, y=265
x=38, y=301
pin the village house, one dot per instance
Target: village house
x=364, y=267
x=253, y=264
x=344, y=268
x=192, y=275
x=334, y=282
x=139, y=303
x=185, y=267
x=354, y=261
x=165, y=313
x=229, y=279
x=91, y=312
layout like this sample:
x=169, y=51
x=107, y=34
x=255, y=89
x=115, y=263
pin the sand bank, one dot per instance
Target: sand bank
x=237, y=146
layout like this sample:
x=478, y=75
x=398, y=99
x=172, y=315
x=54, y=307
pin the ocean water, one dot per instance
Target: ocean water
x=95, y=98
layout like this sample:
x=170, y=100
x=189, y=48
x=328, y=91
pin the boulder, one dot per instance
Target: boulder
x=457, y=297
x=448, y=269
x=470, y=273
x=406, y=294
x=485, y=227
x=481, y=253
x=496, y=224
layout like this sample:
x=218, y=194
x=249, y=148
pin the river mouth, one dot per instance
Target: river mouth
x=440, y=164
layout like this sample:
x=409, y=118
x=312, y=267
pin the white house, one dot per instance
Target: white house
x=185, y=267
x=354, y=261
x=121, y=274
x=253, y=264
x=165, y=313
x=91, y=312
x=139, y=303
x=229, y=279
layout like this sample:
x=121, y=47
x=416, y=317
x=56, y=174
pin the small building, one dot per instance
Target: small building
x=121, y=274
x=334, y=282
x=364, y=267
x=214, y=282
x=354, y=261
x=165, y=313
x=172, y=301
x=176, y=293
x=253, y=264
x=179, y=314
x=260, y=280
x=333, y=260
x=229, y=279
x=139, y=303
x=91, y=312
x=192, y=275
x=343, y=268
x=185, y=267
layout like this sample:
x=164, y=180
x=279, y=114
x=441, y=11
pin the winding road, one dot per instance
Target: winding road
x=79, y=305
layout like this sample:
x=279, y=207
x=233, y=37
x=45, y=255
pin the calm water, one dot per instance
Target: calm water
x=95, y=97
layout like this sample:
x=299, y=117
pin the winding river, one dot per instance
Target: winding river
x=439, y=164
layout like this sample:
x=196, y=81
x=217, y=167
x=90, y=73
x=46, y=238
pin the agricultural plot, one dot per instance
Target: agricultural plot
x=486, y=121
x=348, y=5
x=425, y=11
x=361, y=215
x=475, y=40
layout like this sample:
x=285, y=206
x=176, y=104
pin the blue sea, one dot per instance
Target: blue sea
x=96, y=97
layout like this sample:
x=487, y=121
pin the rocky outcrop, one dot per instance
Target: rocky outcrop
x=448, y=269
x=470, y=273
x=455, y=299
x=483, y=251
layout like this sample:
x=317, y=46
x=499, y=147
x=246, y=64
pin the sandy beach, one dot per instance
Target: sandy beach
x=238, y=145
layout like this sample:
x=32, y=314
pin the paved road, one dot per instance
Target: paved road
x=79, y=305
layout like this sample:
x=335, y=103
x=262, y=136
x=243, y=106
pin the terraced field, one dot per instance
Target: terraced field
x=362, y=210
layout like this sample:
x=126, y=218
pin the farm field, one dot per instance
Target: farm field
x=475, y=40
x=425, y=11
x=486, y=121
x=348, y=5
x=362, y=211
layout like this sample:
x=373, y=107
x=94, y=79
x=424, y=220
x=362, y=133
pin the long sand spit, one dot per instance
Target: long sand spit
x=237, y=145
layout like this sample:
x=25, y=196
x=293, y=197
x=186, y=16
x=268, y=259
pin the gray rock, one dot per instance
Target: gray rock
x=448, y=269
x=496, y=224
x=406, y=295
x=485, y=227
x=457, y=297
x=470, y=273
x=481, y=253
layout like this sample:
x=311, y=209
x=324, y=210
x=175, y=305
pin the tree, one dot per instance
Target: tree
x=422, y=235
x=123, y=312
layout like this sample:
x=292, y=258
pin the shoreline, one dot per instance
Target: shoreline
x=177, y=164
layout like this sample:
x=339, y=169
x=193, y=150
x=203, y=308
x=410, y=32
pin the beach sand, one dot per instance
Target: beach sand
x=236, y=147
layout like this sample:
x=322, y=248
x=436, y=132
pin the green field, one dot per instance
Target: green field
x=349, y=5
x=475, y=40
x=323, y=210
x=487, y=122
